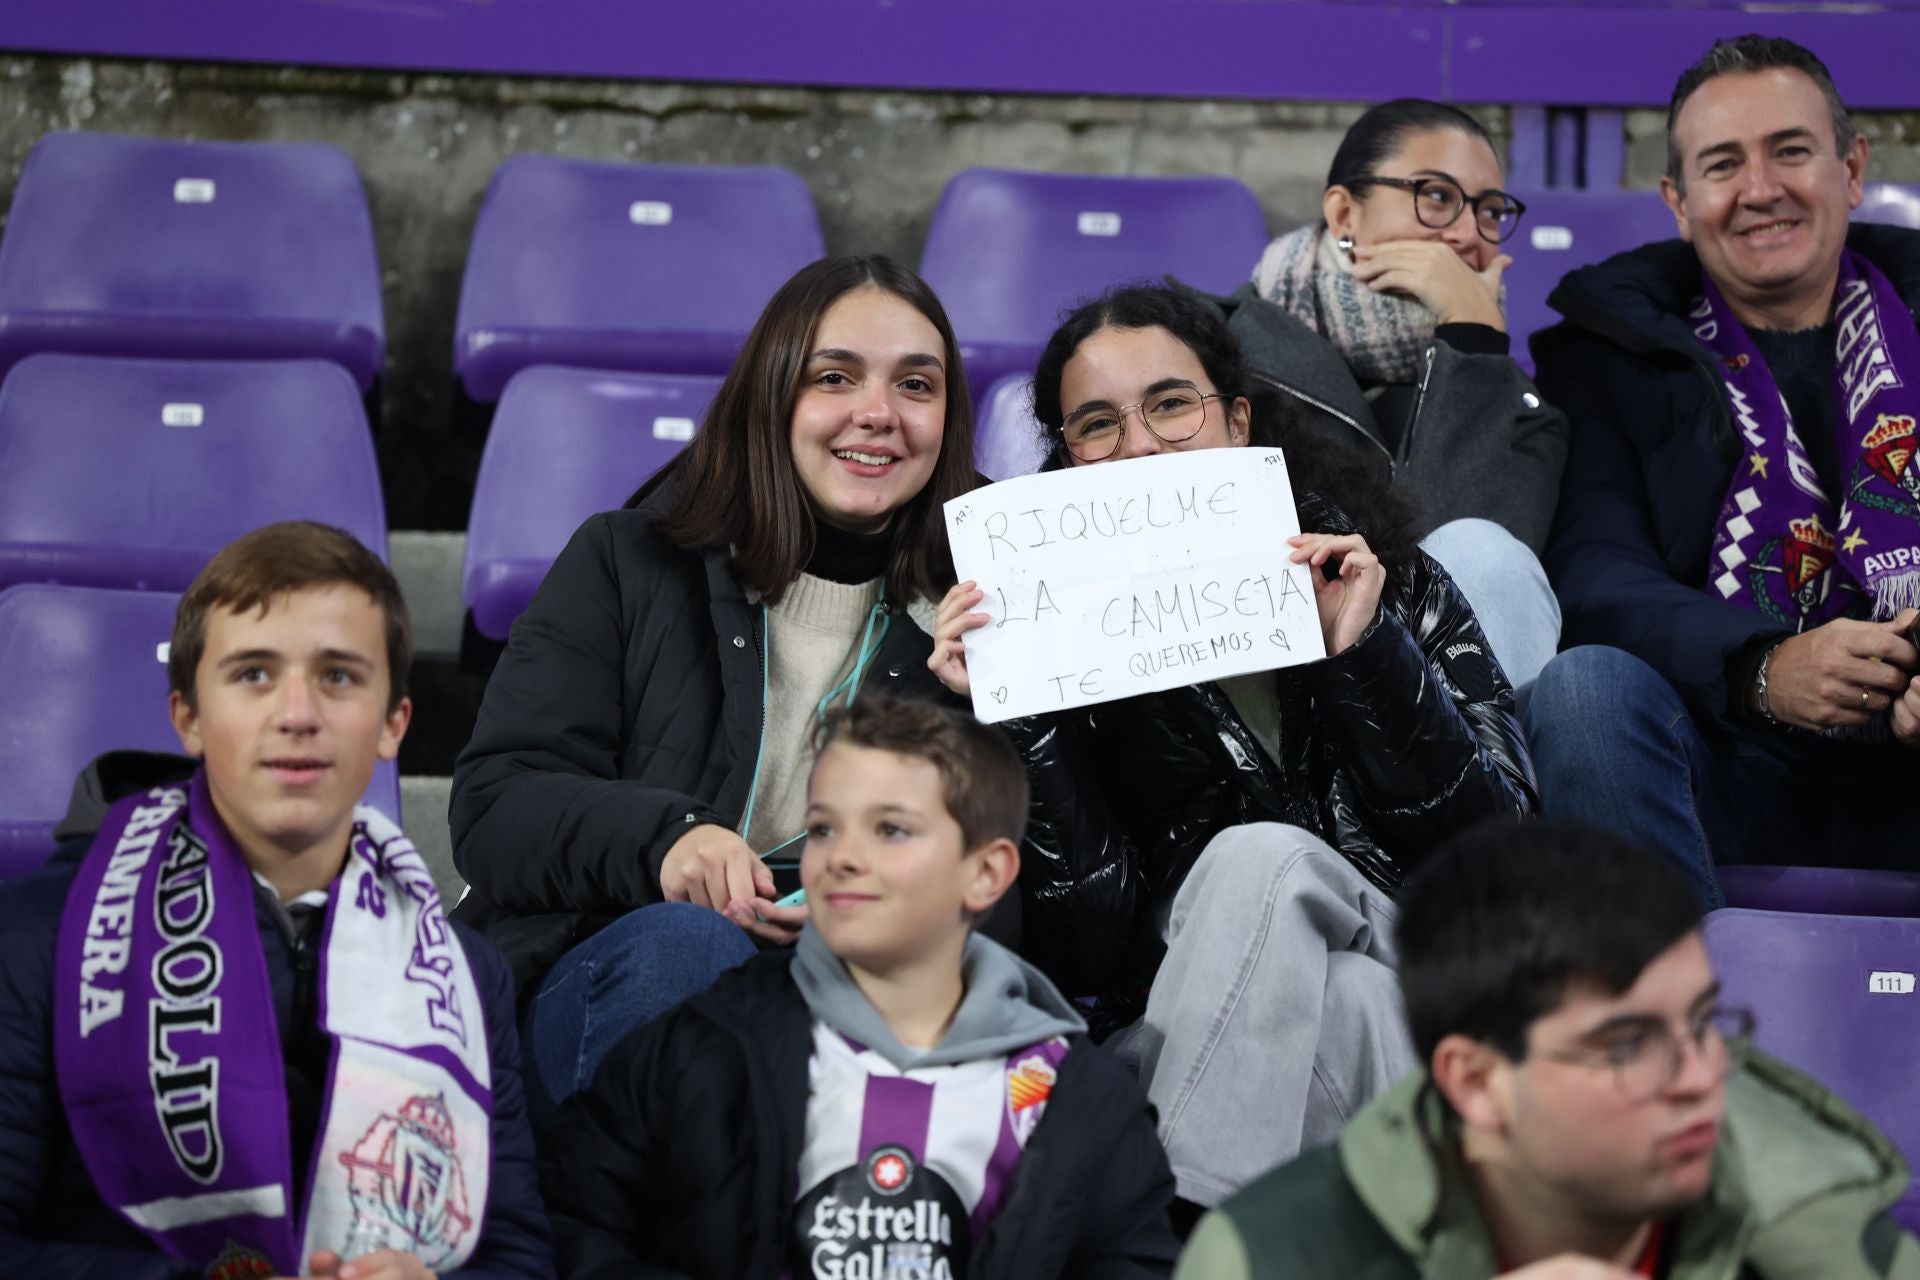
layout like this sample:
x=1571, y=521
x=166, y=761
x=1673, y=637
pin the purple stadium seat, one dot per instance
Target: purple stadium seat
x=132, y=473
x=198, y=250
x=1007, y=442
x=1826, y=891
x=83, y=672
x=1568, y=229
x=1008, y=252
x=1891, y=203
x=1835, y=997
x=661, y=268
x=565, y=444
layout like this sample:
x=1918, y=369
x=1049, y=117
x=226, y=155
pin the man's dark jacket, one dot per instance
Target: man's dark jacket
x=52, y=1220
x=1653, y=451
x=682, y=1159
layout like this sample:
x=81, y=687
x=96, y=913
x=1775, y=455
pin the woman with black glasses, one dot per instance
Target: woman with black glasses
x=1384, y=322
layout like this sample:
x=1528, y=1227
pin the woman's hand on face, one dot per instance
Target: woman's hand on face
x=1348, y=601
x=1430, y=272
x=949, y=659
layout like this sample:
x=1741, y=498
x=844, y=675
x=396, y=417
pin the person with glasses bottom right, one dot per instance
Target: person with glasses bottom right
x=1384, y=323
x=1589, y=1109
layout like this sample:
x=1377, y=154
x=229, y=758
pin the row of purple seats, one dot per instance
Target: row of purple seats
x=662, y=268
x=160, y=247
x=132, y=473
x=83, y=671
x=1835, y=996
x=1568, y=229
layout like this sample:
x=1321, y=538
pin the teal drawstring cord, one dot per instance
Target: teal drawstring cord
x=863, y=658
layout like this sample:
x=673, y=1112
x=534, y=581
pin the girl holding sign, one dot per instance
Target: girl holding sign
x=646, y=736
x=1229, y=850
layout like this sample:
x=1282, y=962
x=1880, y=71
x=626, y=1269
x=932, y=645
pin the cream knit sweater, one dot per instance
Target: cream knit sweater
x=813, y=637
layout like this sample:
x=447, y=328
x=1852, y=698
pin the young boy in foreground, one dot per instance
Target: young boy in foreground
x=237, y=1035
x=1590, y=1110
x=897, y=1097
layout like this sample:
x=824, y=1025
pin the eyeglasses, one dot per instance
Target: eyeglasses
x=1438, y=202
x=1172, y=416
x=1646, y=1060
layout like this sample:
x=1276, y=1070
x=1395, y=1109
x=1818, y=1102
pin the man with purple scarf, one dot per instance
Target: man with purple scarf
x=238, y=1036
x=1737, y=549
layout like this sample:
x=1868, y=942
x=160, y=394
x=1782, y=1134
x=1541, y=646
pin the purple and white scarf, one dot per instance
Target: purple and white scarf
x=169, y=1064
x=1784, y=546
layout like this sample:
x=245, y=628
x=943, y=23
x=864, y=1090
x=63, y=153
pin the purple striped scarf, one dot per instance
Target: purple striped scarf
x=170, y=1069
x=1784, y=546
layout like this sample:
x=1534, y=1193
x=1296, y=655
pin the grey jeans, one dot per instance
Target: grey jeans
x=1276, y=1013
x=1508, y=590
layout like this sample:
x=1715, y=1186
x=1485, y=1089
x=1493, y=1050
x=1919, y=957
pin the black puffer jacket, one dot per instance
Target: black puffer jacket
x=1385, y=750
x=626, y=709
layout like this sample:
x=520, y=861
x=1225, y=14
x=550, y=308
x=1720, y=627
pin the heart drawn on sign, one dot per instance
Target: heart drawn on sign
x=1000, y=694
x=1279, y=639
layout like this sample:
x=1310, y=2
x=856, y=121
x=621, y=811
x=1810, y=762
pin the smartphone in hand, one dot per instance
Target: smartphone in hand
x=784, y=861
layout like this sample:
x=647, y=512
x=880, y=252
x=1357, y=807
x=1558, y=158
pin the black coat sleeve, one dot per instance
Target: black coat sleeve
x=600, y=1163
x=1080, y=878
x=515, y=1241
x=1614, y=582
x=1128, y=1235
x=541, y=818
x=32, y=1124
x=1423, y=720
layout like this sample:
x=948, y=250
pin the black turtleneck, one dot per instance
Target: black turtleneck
x=1802, y=364
x=847, y=558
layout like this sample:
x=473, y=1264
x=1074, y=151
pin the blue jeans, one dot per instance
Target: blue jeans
x=1508, y=590
x=1616, y=747
x=621, y=978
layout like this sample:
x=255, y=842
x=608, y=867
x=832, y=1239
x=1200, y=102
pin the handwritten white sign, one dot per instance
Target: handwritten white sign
x=1128, y=577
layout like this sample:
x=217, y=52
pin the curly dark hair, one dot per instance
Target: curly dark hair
x=1330, y=482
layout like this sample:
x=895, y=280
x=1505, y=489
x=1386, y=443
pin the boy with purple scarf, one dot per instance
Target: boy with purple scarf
x=1738, y=542
x=238, y=1037
x=895, y=1096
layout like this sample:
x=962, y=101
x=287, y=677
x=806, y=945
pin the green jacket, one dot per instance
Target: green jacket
x=1801, y=1185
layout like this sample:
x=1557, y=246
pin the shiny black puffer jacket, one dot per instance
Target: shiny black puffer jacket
x=1385, y=751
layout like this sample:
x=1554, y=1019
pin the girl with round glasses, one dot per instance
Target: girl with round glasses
x=1215, y=863
x=1384, y=321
